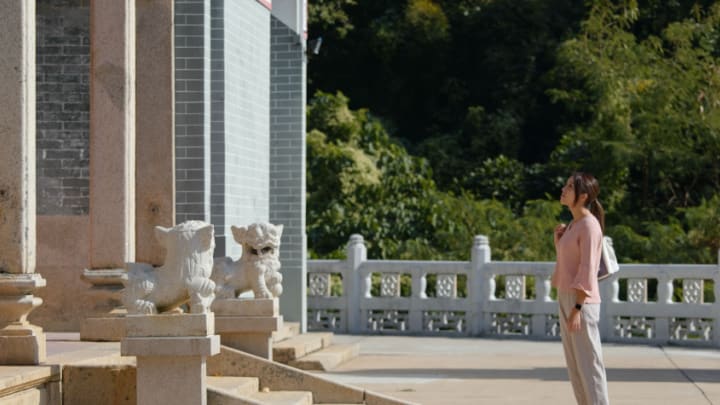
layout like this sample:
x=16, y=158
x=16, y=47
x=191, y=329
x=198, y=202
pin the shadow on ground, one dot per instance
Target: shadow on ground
x=545, y=374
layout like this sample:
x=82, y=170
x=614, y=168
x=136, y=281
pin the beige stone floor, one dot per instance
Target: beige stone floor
x=449, y=371
x=432, y=370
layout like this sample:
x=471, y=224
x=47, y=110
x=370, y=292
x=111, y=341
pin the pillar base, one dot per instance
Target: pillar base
x=22, y=345
x=248, y=324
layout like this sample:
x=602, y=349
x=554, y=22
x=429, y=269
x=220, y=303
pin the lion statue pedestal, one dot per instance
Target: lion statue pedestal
x=247, y=324
x=171, y=352
x=173, y=343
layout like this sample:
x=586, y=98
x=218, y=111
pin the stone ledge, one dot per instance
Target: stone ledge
x=176, y=325
x=171, y=346
x=20, y=284
x=15, y=379
x=246, y=307
x=248, y=324
x=110, y=328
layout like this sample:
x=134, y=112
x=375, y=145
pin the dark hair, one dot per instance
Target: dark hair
x=586, y=183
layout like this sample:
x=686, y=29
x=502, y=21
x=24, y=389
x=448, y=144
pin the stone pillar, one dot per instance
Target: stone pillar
x=356, y=255
x=248, y=324
x=112, y=149
x=171, y=352
x=716, y=290
x=478, y=283
x=155, y=127
x=20, y=341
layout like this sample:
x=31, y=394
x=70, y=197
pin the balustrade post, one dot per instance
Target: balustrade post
x=716, y=304
x=609, y=294
x=479, y=257
x=542, y=295
x=664, y=296
x=353, y=287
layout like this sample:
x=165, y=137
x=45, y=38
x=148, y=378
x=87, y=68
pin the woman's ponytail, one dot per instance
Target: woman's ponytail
x=586, y=183
x=597, y=210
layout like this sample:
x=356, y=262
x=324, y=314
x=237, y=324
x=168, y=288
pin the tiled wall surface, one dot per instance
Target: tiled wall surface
x=240, y=118
x=287, y=161
x=192, y=110
x=63, y=67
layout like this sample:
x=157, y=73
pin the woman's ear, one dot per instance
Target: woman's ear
x=582, y=199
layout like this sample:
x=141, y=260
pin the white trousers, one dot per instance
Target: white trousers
x=583, y=353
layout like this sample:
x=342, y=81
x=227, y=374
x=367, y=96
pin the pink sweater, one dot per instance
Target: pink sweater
x=578, y=258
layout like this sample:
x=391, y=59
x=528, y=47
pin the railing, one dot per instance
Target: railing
x=506, y=299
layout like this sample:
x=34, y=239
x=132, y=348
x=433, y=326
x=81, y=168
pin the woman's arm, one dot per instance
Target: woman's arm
x=574, y=322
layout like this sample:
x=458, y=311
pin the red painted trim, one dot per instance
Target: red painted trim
x=266, y=3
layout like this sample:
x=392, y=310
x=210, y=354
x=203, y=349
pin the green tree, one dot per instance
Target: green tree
x=650, y=110
x=360, y=181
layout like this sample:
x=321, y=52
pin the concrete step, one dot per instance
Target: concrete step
x=288, y=330
x=300, y=345
x=327, y=358
x=234, y=385
x=283, y=397
x=280, y=377
x=105, y=380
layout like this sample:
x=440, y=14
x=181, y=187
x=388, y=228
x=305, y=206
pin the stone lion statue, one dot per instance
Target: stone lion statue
x=183, y=278
x=258, y=267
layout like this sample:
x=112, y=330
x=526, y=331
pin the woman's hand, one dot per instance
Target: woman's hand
x=575, y=320
x=559, y=232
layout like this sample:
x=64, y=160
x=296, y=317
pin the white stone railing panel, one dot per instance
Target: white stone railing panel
x=447, y=285
x=647, y=313
x=693, y=291
x=638, y=318
x=392, y=313
x=327, y=312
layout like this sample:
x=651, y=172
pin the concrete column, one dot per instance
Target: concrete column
x=478, y=286
x=112, y=133
x=20, y=341
x=355, y=289
x=716, y=290
x=112, y=151
x=155, y=127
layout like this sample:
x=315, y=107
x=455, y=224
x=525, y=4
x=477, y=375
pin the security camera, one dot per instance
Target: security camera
x=314, y=45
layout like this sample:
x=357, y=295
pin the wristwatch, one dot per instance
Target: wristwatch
x=578, y=306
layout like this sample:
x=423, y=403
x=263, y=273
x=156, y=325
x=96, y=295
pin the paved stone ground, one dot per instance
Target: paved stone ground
x=450, y=371
x=456, y=371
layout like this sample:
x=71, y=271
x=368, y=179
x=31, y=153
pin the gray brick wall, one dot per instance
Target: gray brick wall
x=63, y=66
x=217, y=128
x=192, y=110
x=240, y=118
x=287, y=167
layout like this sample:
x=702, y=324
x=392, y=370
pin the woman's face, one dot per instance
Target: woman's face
x=567, y=197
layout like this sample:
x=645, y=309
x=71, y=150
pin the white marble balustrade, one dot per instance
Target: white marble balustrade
x=498, y=299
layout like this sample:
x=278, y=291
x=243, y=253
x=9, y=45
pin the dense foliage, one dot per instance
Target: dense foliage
x=481, y=108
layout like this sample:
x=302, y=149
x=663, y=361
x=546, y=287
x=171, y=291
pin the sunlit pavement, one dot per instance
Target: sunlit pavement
x=448, y=371
x=432, y=370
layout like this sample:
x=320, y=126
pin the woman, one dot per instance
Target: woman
x=579, y=247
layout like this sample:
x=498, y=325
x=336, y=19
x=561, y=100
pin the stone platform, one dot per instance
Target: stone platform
x=464, y=371
x=432, y=370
